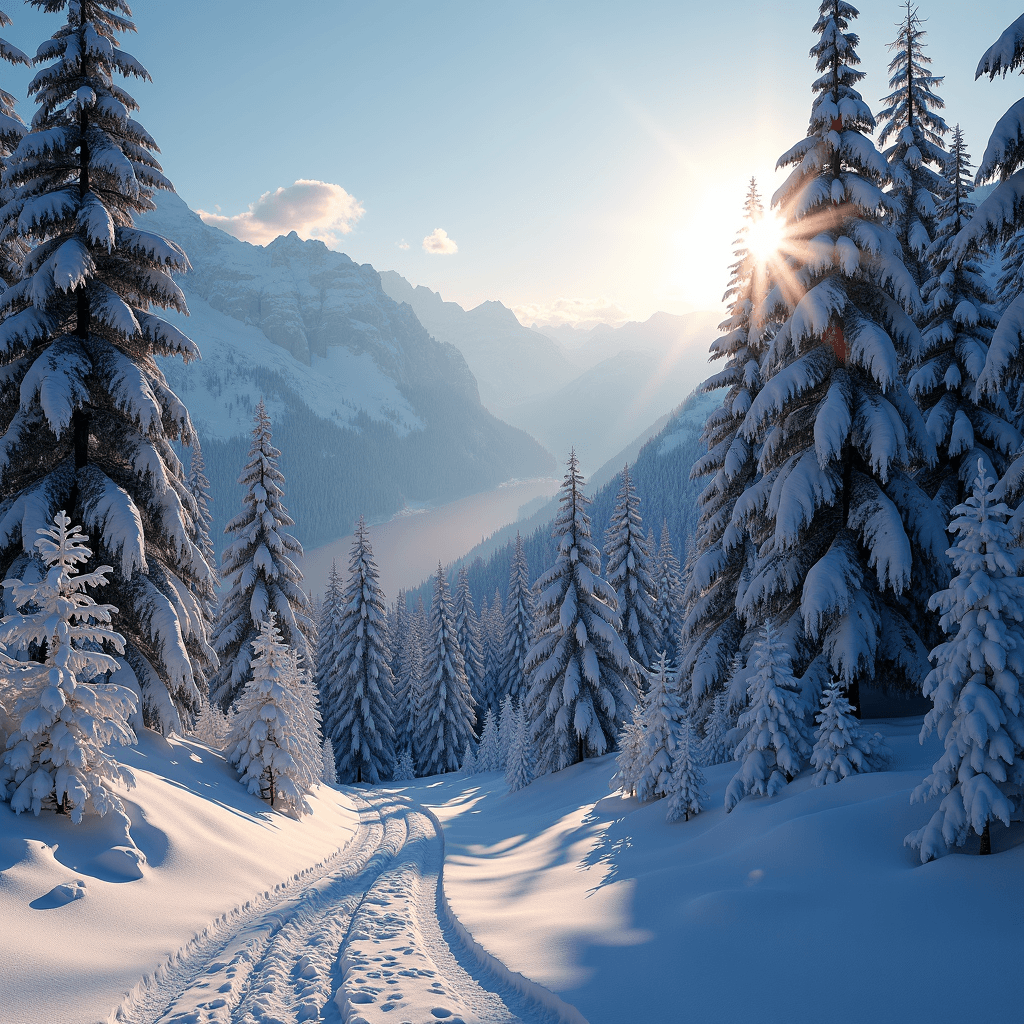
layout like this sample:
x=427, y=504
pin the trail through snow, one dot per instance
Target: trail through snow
x=368, y=940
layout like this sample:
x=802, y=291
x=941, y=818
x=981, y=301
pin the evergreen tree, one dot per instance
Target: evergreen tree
x=715, y=749
x=975, y=685
x=685, y=787
x=330, y=768
x=212, y=726
x=670, y=594
x=775, y=743
x=12, y=131
x=711, y=630
x=258, y=569
x=579, y=667
x=917, y=154
x=489, y=755
x=328, y=625
x=420, y=628
x=519, y=768
x=517, y=630
x=469, y=764
x=199, y=487
x=506, y=725
x=309, y=724
x=959, y=322
x=492, y=629
x=631, y=572
x=56, y=756
x=90, y=421
x=406, y=661
x=630, y=760
x=360, y=690
x=446, y=715
x=845, y=526
x=467, y=626
x=405, y=769
x=841, y=746
x=999, y=218
x=266, y=744
x=662, y=724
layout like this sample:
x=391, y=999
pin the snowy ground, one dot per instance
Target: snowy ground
x=803, y=909
x=238, y=914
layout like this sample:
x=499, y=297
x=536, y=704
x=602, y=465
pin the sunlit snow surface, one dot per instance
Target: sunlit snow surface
x=800, y=909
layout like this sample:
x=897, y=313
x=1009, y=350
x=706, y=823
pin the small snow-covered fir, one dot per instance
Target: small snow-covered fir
x=517, y=631
x=975, y=685
x=715, y=748
x=489, y=756
x=842, y=746
x=66, y=716
x=685, y=784
x=629, y=759
x=267, y=740
x=775, y=744
x=519, y=768
x=330, y=771
x=662, y=734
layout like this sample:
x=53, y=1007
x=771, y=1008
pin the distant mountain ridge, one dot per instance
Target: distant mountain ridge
x=369, y=410
x=594, y=390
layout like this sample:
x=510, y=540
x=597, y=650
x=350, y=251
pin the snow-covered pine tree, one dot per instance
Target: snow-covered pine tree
x=842, y=746
x=310, y=730
x=327, y=624
x=580, y=671
x=845, y=525
x=469, y=760
x=959, y=320
x=199, y=487
x=407, y=670
x=630, y=571
x=489, y=755
x=1000, y=218
x=266, y=745
x=467, y=626
x=446, y=713
x=917, y=154
x=359, y=691
x=519, y=770
x=12, y=248
x=663, y=719
x=715, y=749
x=258, y=569
x=506, y=724
x=685, y=786
x=711, y=630
x=57, y=756
x=419, y=628
x=405, y=769
x=629, y=760
x=212, y=726
x=89, y=419
x=518, y=629
x=668, y=579
x=775, y=744
x=492, y=628
x=975, y=685
x=330, y=768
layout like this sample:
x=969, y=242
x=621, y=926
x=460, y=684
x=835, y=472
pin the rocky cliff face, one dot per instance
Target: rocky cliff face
x=369, y=410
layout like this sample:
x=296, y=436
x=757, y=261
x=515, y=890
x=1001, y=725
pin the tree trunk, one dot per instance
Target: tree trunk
x=581, y=751
x=986, y=840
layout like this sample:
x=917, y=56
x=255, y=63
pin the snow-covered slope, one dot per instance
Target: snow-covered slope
x=81, y=927
x=799, y=909
x=368, y=409
x=511, y=363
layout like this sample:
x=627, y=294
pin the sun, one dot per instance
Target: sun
x=764, y=237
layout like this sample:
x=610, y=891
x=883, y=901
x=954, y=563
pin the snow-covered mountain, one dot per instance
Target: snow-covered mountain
x=512, y=363
x=595, y=389
x=369, y=410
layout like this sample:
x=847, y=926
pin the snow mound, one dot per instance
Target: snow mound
x=196, y=848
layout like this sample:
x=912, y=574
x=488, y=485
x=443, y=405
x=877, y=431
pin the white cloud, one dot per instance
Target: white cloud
x=403, y=244
x=439, y=243
x=313, y=209
x=582, y=313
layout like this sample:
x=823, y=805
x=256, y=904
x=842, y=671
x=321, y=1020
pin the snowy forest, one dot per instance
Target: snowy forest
x=846, y=546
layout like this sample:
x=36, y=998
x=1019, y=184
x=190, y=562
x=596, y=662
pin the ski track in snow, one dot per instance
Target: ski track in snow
x=368, y=940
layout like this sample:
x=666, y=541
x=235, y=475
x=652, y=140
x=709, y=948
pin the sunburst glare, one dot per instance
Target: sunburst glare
x=764, y=237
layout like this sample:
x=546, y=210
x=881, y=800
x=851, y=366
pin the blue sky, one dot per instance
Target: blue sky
x=594, y=153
